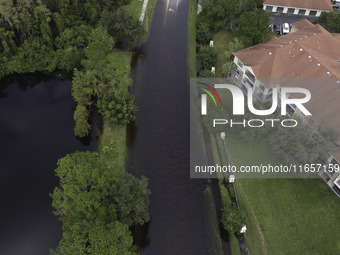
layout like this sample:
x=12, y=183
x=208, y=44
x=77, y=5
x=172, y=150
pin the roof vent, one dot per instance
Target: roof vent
x=309, y=57
x=295, y=40
x=328, y=72
x=318, y=64
x=338, y=82
x=300, y=38
x=301, y=49
x=281, y=45
x=270, y=53
x=290, y=42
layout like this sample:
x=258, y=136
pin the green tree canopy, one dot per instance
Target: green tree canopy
x=90, y=189
x=122, y=26
x=207, y=57
x=254, y=27
x=232, y=47
x=233, y=219
x=114, y=239
x=330, y=21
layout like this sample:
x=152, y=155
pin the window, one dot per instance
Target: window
x=302, y=11
x=262, y=87
x=279, y=9
x=290, y=110
x=246, y=81
x=312, y=13
x=268, y=97
x=269, y=8
x=239, y=63
x=291, y=10
x=250, y=76
x=238, y=72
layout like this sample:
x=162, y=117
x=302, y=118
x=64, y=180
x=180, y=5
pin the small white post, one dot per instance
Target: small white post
x=211, y=44
x=213, y=70
x=222, y=135
x=243, y=229
x=231, y=178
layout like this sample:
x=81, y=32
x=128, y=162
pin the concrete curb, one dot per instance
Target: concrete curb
x=142, y=14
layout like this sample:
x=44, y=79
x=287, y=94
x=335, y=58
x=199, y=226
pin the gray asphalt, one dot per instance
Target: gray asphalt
x=280, y=18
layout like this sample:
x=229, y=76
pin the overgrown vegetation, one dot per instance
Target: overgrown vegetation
x=247, y=22
x=233, y=219
x=96, y=204
x=330, y=21
x=49, y=36
x=96, y=200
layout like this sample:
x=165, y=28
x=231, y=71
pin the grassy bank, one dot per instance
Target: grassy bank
x=192, y=33
x=116, y=133
x=148, y=18
x=286, y=216
x=221, y=40
x=135, y=8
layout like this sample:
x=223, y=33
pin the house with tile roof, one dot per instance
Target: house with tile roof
x=308, y=58
x=298, y=7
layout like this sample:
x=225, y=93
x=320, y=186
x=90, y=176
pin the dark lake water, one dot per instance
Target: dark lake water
x=36, y=129
x=159, y=146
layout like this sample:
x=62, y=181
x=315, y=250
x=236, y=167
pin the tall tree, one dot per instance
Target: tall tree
x=91, y=190
x=254, y=27
x=122, y=26
x=232, y=47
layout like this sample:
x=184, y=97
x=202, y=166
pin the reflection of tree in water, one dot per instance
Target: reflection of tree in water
x=23, y=81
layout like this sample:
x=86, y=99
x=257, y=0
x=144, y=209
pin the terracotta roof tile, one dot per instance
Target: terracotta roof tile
x=309, y=57
x=325, y=5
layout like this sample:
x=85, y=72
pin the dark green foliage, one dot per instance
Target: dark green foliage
x=96, y=205
x=203, y=33
x=50, y=35
x=206, y=73
x=330, y=21
x=122, y=27
x=254, y=27
x=81, y=116
x=117, y=106
x=232, y=47
x=207, y=57
x=114, y=238
x=33, y=55
x=104, y=82
x=110, y=150
x=233, y=219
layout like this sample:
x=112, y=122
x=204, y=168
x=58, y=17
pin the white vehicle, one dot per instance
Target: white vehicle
x=285, y=28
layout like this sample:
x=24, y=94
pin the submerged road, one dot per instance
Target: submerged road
x=160, y=142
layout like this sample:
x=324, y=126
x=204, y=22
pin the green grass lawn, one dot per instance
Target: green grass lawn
x=135, y=8
x=285, y=216
x=192, y=31
x=294, y=216
x=221, y=40
x=116, y=134
x=148, y=18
